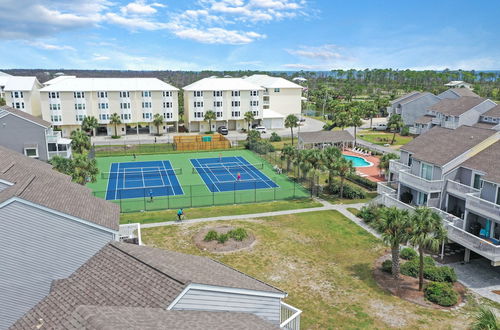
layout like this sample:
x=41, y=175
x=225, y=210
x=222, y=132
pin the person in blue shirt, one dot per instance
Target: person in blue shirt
x=180, y=213
x=151, y=195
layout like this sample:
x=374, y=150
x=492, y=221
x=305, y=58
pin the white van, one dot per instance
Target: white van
x=380, y=127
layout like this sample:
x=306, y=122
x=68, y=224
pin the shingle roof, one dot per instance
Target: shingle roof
x=424, y=119
x=401, y=98
x=24, y=115
x=487, y=161
x=464, y=92
x=440, y=145
x=271, y=82
x=415, y=97
x=456, y=107
x=36, y=182
x=108, y=84
x=493, y=112
x=136, y=318
x=127, y=275
x=326, y=137
x=485, y=125
x=222, y=84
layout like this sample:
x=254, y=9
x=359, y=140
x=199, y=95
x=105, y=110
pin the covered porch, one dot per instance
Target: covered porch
x=324, y=139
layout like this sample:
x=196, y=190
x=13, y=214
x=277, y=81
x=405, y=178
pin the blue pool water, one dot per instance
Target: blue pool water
x=357, y=161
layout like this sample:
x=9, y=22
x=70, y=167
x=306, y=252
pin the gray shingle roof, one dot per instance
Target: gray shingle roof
x=456, y=107
x=424, y=119
x=493, y=112
x=136, y=318
x=326, y=137
x=487, y=161
x=127, y=275
x=463, y=92
x=406, y=96
x=37, y=182
x=25, y=115
x=440, y=145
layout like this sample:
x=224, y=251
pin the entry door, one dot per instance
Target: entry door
x=421, y=198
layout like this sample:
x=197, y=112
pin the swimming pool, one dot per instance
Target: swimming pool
x=358, y=161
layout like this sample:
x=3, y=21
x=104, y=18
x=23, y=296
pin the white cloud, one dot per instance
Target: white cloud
x=257, y=10
x=218, y=36
x=99, y=57
x=140, y=7
x=135, y=23
x=324, y=52
x=46, y=46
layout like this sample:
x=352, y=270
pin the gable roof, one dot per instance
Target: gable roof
x=493, y=112
x=57, y=80
x=486, y=161
x=137, y=318
x=18, y=83
x=70, y=84
x=36, y=182
x=127, y=275
x=401, y=98
x=271, y=82
x=222, y=84
x=440, y=145
x=326, y=137
x=6, y=110
x=456, y=107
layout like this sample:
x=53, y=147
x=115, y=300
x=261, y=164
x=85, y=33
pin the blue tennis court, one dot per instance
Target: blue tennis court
x=221, y=174
x=142, y=179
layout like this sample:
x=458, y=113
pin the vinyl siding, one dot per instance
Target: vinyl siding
x=415, y=109
x=489, y=191
x=36, y=248
x=267, y=308
x=15, y=133
x=3, y=186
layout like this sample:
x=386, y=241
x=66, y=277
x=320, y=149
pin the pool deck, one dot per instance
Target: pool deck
x=372, y=172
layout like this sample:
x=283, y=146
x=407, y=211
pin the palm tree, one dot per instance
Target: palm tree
x=84, y=169
x=249, y=118
x=355, y=122
x=385, y=161
x=343, y=168
x=289, y=154
x=158, y=121
x=291, y=121
x=303, y=165
x=89, y=124
x=370, y=110
x=209, y=116
x=342, y=118
x=395, y=123
x=330, y=157
x=316, y=162
x=115, y=120
x=427, y=232
x=394, y=226
x=80, y=141
x=485, y=319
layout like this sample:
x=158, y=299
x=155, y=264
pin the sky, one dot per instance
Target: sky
x=280, y=35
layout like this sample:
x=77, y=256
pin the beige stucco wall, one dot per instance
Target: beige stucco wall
x=287, y=101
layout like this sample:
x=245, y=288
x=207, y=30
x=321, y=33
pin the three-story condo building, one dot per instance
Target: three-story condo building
x=23, y=93
x=66, y=102
x=228, y=98
x=455, y=172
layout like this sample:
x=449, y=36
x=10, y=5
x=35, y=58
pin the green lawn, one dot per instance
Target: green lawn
x=196, y=193
x=381, y=138
x=325, y=264
x=213, y=211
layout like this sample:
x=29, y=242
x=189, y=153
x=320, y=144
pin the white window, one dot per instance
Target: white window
x=426, y=171
x=56, y=118
x=198, y=114
x=217, y=93
x=102, y=94
x=79, y=95
x=167, y=105
x=104, y=116
x=55, y=106
x=146, y=93
x=16, y=94
x=254, y=93
x=219, y=114
x=235, y=93
x=168, y=115
x=147, y=115
x=124, y=94
x=217, y=104
x=79, y=106
x=198, y=93
x=198, y=104
x=255, y=113
x=126, y=116
x=254, y=103
x=18, y=105
x=31, y=152
x=146, y=105
x=276, y=90
x=103, y=106
x=80, y=117
x=167, y=93
x=124, y=105
x=235, y=113
x=53, y=95
x=235, y=103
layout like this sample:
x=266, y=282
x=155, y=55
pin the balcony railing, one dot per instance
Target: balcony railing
x=63, y=153
x=385, y=188
x=130, y=231
x=289, y=317
x=413, y=130
x=420, y=183
x=396, y=166
x=481, y=206
x=53, y=136
x=459, y=189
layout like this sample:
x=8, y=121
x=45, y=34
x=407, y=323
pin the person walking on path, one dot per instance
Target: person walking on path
x=134, y=155
x=151, y=195
x=180, y=213
x=220, y=157
x=238, y=177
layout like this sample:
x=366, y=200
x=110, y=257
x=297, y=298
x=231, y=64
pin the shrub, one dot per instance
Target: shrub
x=369, y=213
x=261, y=147
x=441, y=294
x=440, y=274
x=387, y=266
x=350, y=192
x=238, y=234
x=408, y=253
x=405, y=131
x=410, y=268
x=211, y=236
x=363, y=182
x=222, y=238
x=275, y=137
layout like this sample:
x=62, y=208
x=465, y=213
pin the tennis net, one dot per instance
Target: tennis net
x=221, y=169
x=142, y=174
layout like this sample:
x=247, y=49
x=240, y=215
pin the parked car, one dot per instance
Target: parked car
x=254, y=126
x=260, y=129
x=222, y=130
x=380, y=127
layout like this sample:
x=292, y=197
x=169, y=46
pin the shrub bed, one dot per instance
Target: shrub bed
x=369, y=213
x=431, y=271
x=387, y=266
x=370, y=185
x=238, y=234
x=408, y=253
x=441, y=294
x=350, y=192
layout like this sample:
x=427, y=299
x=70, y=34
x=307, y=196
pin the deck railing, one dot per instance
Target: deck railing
x=420, y=183
x=130, y=231
x=459, y=189
x=385, y=188
x=396, y=166
x=289, y=317
x=478, y=205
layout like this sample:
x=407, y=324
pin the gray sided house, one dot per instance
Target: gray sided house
x=30, y=135
x=130, y=286
x=455, y=93
x=490, y=119
x=50, y=227
x=455, y=172
x=412, y=106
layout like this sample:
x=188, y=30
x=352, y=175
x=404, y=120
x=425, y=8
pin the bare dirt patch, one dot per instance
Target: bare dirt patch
x=230, y=245
x=407, y=287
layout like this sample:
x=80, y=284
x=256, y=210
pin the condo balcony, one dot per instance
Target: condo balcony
x=475, y=204
x=396, y=166
x=420, y=183
x=459, y=189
